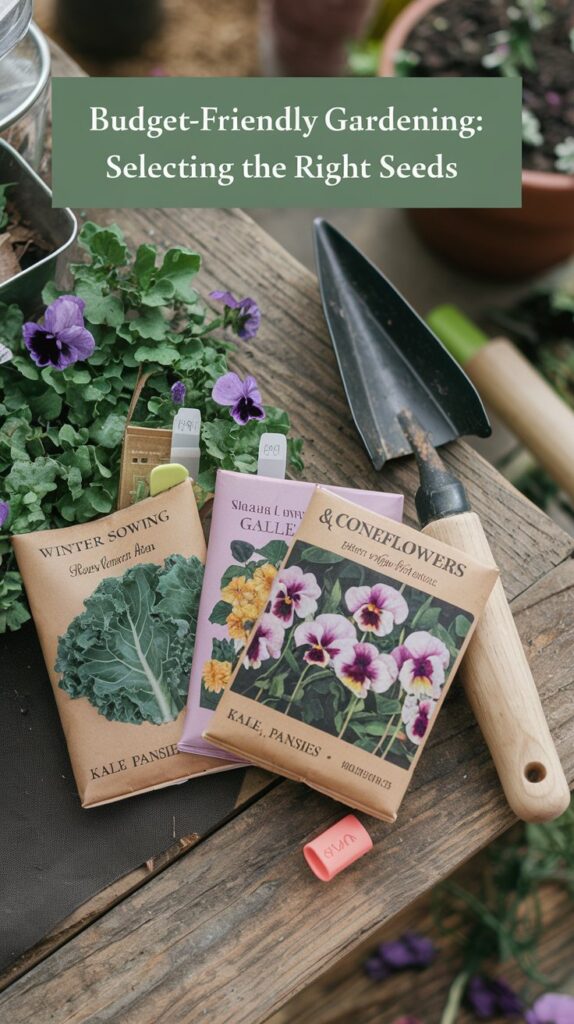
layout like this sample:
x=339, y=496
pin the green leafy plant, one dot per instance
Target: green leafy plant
x=512, y=47
x=61, y=430
x=565, y=155
x=497, y=917
x=129, y=652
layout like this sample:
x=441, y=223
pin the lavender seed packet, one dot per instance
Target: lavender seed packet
x=253, y=522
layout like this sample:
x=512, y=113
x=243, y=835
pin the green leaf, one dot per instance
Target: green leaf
x=320, y=556
x=462, y=625
x=274, y=551
x=179, y=267
x=101, y=306
x=277, y=686
x=241, y=550
x=220, y=612
x=151, y=324
x=105, y=245
x=109, y=432
x=162, y=353
x=231, y=573
x=292, y=662
x=223, y=650
x=334, y=599
x=129, y=652
x=144, y=265
x=45, y=405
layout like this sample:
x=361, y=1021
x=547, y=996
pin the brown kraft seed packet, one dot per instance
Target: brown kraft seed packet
x=346, y=670
x=115, y=605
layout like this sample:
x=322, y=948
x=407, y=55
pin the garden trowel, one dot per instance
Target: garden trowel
x=408, y=395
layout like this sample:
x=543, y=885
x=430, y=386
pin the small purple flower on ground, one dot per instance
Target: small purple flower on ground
x=4, y=512
x=551, y=1008
x=178, y=392
x=409, y=951
x=242, y=395
x=242, y=315
x=490, y=997
x=62, y=339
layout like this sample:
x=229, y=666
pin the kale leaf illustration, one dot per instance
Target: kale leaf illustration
x=129, y=652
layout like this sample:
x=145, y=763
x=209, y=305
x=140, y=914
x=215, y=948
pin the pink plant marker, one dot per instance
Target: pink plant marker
x=337, y=847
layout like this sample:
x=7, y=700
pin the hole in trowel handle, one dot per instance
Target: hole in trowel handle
x=535, y=772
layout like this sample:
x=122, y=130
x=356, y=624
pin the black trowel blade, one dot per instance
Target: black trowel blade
x=389, y=359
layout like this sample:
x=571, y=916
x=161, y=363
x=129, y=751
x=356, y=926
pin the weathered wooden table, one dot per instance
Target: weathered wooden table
x=228, y=930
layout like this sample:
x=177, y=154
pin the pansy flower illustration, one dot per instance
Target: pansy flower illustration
x=376, y=609
x=266, y=642
x=416, y=715
x=361, y=667
x=294, y=593
x=325, y=637
x=421, y=661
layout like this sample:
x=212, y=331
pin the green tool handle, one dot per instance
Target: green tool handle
x=515, y=391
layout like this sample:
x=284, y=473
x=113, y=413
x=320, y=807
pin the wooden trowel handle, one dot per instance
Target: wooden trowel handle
x=502, y=693
x=528, y=405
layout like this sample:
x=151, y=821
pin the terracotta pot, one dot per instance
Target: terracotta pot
x=310, y=38
x=507, y=244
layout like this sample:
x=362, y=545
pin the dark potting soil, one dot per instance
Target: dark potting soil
x=455, y=36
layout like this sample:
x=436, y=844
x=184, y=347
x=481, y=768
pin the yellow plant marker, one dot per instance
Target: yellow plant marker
x=163, y=477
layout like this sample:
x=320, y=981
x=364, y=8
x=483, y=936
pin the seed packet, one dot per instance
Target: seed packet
x=344, y=673
x=115, y=605
x=253, y=521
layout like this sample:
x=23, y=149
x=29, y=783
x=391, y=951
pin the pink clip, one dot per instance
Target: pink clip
x=337, y=847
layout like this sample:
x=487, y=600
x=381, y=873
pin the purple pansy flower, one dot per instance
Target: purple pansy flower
x=4, y=512
x=62, y=339
x=552, y=1008
x=361, y=667
x=492, y=997
x=266, y=642
x=242, y=315
x=294, y=593
x=242, y=395
x=178, y=392
x=376, y=609
x=422, y=660
x=411, y=950
x=326, y=637
x=416, y=715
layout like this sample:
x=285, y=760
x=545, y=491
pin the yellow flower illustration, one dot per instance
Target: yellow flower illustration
x=263, y=578
x=216, y=675
x=236, y=627
x=235, y=589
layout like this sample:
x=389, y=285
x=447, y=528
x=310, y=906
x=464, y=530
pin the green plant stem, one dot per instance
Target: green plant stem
x=392, y=739
x=384, y=736
x=348, y=716
x=274, y=667
x=298, y=686
x=454, y=998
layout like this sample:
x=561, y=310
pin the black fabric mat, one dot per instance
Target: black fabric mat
x=54, y=855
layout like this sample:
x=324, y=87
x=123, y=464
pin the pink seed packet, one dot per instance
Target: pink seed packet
x=253, y=522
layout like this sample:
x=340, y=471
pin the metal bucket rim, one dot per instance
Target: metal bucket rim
x=44, y=51
x=71, y=217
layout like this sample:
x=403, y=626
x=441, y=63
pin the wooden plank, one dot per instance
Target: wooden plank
x=229, y=933
x=255, y=783
x=345, y=995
